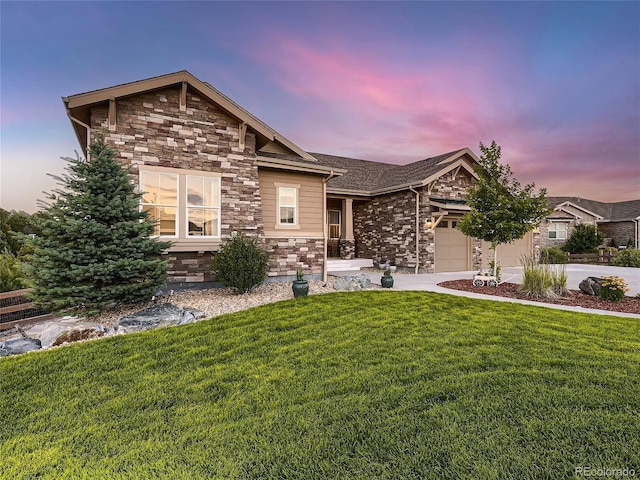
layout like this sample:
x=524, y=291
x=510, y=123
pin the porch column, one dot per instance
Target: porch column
x=347, y=209
x=347, y=243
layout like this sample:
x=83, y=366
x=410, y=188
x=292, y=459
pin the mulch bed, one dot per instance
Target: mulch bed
x=574, y=298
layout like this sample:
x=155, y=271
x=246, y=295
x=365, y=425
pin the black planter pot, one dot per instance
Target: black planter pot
x=387, y=282
x=300, y=288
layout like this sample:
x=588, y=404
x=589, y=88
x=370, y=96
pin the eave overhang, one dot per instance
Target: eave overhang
x=459, y=163
x=269, y=162
x=448, y=205
x=78, y=106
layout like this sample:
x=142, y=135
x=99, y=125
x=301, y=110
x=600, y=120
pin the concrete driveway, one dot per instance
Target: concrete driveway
x=576, y=273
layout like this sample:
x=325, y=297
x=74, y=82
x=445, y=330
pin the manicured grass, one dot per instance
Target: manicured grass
x=396, y=385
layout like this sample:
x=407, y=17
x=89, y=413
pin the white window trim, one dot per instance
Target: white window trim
x=565, y=231
x=186, y=206
x=182, y=220
x=287, y=226
x=177, y=207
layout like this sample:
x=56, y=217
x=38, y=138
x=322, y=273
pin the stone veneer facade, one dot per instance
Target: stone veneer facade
x=287, y=254
x=385, y=225
x=151, y=130
x=620, y=232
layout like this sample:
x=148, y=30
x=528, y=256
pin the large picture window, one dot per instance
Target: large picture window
x=185, y=205
x=558, y=231
x=287, y=205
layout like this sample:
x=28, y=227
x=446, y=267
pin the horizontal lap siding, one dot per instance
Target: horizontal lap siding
x=310, y=203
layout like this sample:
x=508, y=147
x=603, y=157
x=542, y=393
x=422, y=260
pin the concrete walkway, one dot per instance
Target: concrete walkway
x=576, y=273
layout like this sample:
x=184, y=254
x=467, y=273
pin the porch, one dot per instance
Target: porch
x=335, y=265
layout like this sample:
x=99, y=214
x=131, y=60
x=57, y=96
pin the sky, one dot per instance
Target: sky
x=555, y=84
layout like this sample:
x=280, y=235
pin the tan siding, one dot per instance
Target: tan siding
x=310, y=203
x=509, y=254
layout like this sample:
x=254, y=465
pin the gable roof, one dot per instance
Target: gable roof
x=366, y=177
x=78, y=107
x=611, y=212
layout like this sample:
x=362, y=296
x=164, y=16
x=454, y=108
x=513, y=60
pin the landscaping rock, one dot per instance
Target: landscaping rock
x=591, y=286
x=156, y=316
x=56, y=333
x=352, y=283
x=48, y=332
x=19, y=345
x=77, y=334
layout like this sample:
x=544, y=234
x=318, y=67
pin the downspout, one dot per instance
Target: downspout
x=417, y=228
x=635, y=240
x=88, y=128
x=325, y=233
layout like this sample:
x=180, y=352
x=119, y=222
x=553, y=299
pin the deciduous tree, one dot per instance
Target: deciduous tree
x=502, y=210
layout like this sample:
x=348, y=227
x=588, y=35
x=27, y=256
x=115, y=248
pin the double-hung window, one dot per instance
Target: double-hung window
x=186, y=205
x=558, y=230
x=203, y=206
x=287, y=206
x=160, y=199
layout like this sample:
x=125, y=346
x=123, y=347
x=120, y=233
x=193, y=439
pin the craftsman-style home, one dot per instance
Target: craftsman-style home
x=617, y=221
x=207, y=167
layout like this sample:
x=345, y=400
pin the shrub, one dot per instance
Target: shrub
x=627, y=258
x=613, y=288
x=240, y=264
x=543, y=280
x=11, y=276
x=552, y=255
x=584, y=239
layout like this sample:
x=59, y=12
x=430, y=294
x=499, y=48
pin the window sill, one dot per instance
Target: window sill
x=195, y=245
x=279, y=226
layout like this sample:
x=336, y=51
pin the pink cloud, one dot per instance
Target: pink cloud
x=364, y=105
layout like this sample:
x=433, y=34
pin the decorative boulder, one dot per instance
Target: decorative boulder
x=591, y=286
x=54, y=333
x=162, y=315
x=352, y=283
x=19, y=345
x=78, y=334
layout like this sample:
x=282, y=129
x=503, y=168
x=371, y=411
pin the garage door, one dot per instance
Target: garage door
x=453, y=248
x=509, y=254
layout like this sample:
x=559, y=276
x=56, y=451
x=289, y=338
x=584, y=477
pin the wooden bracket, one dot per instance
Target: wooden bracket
x=243, y=133
x=183, y=97
x=112, y=114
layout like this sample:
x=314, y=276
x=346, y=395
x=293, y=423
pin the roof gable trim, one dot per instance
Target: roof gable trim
x=578, y=207
x=183, y=78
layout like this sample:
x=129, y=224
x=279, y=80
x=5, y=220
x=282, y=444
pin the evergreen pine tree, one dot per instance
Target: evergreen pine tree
x=95, y=246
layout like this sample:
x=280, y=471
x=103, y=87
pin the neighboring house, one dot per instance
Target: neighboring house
x=617, y=221
x=208, y=167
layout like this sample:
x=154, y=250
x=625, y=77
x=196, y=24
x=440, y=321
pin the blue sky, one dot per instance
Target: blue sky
x=556, y=84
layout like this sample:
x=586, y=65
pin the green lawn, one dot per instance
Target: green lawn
x=367, y=385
